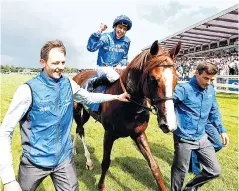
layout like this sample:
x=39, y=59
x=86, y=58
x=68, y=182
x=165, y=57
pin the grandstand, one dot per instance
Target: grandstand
x=214, y=39
x=217, y=32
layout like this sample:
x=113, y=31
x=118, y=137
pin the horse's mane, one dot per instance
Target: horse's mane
x=142, y=61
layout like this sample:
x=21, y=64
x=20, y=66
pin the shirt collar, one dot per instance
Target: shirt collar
x=194, y=82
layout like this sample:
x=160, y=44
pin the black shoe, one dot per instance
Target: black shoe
x=93, y=84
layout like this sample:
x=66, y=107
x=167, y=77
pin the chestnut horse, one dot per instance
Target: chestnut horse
x=151, y=75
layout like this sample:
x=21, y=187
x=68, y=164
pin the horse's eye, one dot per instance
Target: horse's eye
x=154, y=82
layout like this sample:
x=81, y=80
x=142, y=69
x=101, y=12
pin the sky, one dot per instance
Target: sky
x=27, y=24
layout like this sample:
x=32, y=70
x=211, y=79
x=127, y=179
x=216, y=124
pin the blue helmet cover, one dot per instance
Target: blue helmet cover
x=123, y=19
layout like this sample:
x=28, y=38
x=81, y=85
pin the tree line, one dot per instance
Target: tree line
x=8, y=69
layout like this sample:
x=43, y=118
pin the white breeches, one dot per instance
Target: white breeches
x=108, y=72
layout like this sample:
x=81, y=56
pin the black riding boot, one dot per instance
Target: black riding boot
x=93, y=84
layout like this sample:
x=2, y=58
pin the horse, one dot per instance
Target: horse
x=151, y=75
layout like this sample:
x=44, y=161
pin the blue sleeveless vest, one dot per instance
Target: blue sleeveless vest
x=45, y=129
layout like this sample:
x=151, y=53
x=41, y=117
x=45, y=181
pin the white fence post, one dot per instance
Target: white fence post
x=227, y=84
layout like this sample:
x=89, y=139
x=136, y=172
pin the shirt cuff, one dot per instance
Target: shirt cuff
x=97, y=34
x=7, y=175
x=223, y=130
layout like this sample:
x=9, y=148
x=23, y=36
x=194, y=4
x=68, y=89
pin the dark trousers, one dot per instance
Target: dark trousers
x=215, y=139
x=64, y=176
x=182, y=155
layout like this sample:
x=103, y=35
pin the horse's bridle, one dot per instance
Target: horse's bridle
x=152, y=108
x=158, y=99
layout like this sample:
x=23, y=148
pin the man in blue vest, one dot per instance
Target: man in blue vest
x=44, y=108
x=113, y=51
x=195, y=104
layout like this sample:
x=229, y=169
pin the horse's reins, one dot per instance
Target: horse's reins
x=135, y=102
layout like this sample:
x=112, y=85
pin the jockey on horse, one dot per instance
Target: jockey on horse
x=113, y=51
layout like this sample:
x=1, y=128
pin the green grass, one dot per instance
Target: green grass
x=129, y=170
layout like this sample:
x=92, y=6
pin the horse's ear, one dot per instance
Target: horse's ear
x=178, y=47
x=154, y=48
x=175, y=50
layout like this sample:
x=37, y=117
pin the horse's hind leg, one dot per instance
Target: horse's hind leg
x=108, y=144
x=143, y=145
x=77, y=117
x=80, y=121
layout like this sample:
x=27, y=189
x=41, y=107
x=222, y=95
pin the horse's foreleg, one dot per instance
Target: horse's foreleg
x=143, y=145
x=108, y=144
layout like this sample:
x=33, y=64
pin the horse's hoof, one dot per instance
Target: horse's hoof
x=89, y=165
x=101, y=187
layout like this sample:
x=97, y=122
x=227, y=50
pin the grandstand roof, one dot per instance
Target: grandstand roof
x=221, y=26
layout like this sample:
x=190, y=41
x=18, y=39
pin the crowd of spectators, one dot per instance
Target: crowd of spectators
x=227, y=62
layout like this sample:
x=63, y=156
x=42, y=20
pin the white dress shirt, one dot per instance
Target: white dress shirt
x=20, y=104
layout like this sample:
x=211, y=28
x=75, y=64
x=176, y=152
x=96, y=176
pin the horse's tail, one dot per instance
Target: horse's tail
x=81, y=115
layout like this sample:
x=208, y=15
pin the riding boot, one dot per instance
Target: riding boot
x=93, y=84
